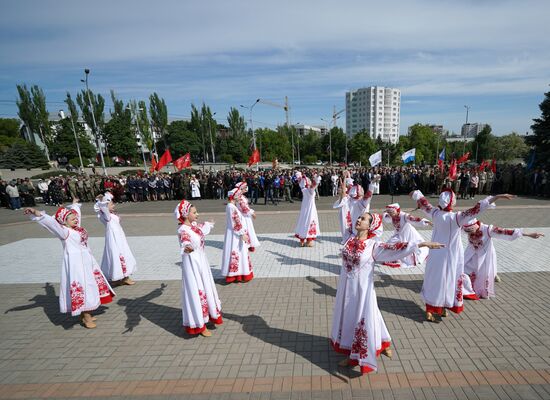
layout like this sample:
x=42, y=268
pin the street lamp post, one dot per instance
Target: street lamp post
x=211, y=142
x=464, y=145
x=329, y=141
x=62, y=116
x=96, y=131
x=141, y=139
x=252, y=125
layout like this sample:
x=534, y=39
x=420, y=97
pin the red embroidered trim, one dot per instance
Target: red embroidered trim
x=122, y=264
x=351, y=253
x=359, y=345
x=204, y=303
x=239, y=278
x=237, y=226
x=503, y=231
x=312, y=231
x=77, y=296
x=234, y=262
x=472, y=211
x=397, y=246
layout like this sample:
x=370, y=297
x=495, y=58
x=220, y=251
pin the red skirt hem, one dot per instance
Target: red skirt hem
x=365, y=369
x=471, y=297
x=106, y=299
x=196, y=331
x=439, y=310
x=239, y=278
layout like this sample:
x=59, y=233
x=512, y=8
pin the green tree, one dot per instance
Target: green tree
x=274, y=144
x=119, y=132
x=310, y=144
x=541, y=129
x=208, y=129
x=483, y=145
x=32, y=111
x=159, y=115
x=424, y=140
x=9, y=127
x=236, y=146
x=64, y=144
x=338, y=140
x=509, y=147
x=236, y=122
x=23, y=155
x=181, y=140
x=361, y=146
x=83, y=100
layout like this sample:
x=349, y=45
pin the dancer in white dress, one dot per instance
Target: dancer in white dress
x=480, y=257
x=83, y=287
x=444, y=275
x=236, y=265
x=307, y=226
x=248, y=215
x=404, y=231
x=356, y=201
x=118, y=262
x=358, y=329
x=200, y=303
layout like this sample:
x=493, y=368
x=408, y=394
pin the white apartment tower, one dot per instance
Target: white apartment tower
x=376, y=109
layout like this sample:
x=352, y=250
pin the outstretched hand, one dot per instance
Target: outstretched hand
x=505, y=196
x=33, y=211
x=76, y=200
x=534, y=235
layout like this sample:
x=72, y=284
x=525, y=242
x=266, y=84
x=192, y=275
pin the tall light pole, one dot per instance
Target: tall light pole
x=252, y=126
x=464, y=145
x=211, y=142
x=62, y=116
x=329, y=141
x=141, y=139
x=96, y=131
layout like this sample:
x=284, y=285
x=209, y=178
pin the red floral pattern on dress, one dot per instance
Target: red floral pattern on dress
x=502, y=231
x=312, y=231
x=204, y=303
x=476, y=238
x=348, y=221
x=397, y=246
x=237, y=226
x=195, y=228
x=396, y=221
x=367, y=195
x=412, y=218
x=473, y=277
x=359, y=345
x=472, y=211
x=122, y=263
x=83, y=235
x=234, y=262
x=185, y=237
x=243, y=205
x=77, y=296
x=459, y=296
x=249, y=263
x=101, y=283
x=351, y=254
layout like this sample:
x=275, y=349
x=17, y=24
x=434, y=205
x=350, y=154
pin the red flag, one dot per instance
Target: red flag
x=254, y=158
x=483, y=164
x=164, y=160
x=153, y=164
x=494, y=166
x=464, y=158
x=452, y=170
x=440, y=164
x=183, y=162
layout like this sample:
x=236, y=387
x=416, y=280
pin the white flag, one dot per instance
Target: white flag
x=376, y=158
x=408, y=156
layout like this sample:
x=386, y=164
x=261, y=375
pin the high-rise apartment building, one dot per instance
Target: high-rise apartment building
x=376, y=109
x=471, y=130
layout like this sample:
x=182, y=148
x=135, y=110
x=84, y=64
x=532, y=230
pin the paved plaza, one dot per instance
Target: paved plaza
x=273, y=343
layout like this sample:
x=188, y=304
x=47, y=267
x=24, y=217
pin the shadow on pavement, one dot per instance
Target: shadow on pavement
x=313, y=348
x=165, y=317
x=401, y=307
x=387, y=280
x=290, y=261
x=50, y=303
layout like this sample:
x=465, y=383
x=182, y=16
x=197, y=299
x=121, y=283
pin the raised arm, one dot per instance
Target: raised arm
x=206, y=227
x=423, y=203
x=367, y=197
x=48, y=222
x=103, y=210
x=463, y=217
x=399, y=250
x=417, y=221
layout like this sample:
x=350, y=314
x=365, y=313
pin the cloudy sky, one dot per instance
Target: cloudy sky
x=492, y=55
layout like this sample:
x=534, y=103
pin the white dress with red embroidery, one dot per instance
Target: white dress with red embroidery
x=83, y=286
x=307, y=226
x=444, y=275
x=118, y=262
x=358, y=329
x=199, y=298
x=357, y=207
x=404, y=225
x=247, y=213
x=344, y=217
x=236, y=265
x=480, y=257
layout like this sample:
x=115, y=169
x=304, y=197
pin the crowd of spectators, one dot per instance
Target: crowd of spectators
x=272, y=186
